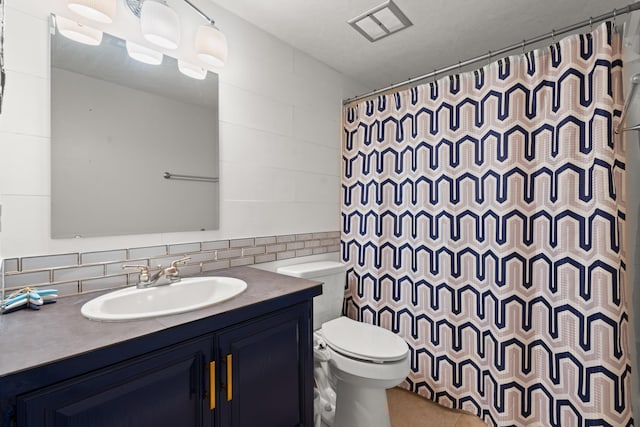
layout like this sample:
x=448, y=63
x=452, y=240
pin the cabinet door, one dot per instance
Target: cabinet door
x=267, y=371
x=163, y=388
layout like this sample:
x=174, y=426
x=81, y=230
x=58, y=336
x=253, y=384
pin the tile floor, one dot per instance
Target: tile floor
x=408, y=409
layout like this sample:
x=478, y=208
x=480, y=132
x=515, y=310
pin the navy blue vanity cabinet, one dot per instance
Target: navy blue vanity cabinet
x=259, y=368
x=164, y=388
x=265, y=379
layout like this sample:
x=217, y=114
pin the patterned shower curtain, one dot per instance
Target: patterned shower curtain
x=483, y=221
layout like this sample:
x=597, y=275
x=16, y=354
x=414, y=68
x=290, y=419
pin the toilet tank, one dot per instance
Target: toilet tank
x=327, y=306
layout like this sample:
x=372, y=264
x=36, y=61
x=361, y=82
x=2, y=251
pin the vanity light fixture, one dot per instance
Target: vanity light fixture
x=160, y=25
x=143, y=53
x=97, y=10
x=190, y=70
x=78, y=32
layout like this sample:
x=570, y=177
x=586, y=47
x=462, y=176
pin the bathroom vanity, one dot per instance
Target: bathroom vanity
x=244, y=362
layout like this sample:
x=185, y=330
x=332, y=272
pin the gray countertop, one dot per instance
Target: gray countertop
x=59, y=331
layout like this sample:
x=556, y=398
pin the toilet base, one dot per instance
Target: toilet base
x=358, y=406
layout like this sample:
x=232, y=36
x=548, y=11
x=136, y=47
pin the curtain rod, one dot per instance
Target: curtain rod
x=593, y=20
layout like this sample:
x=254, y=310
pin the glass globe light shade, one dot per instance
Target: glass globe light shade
x=78, y=32
x=211, y=46
x=96, y=10
x=143, y=53
x=160, y=24
x=193, y=71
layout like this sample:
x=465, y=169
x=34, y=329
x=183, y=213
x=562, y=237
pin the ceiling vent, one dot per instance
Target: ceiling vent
x=381, y=21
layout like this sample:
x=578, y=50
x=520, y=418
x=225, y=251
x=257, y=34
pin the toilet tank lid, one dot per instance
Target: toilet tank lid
x=313, y=269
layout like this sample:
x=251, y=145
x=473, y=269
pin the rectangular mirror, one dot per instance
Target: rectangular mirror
x=118, y=127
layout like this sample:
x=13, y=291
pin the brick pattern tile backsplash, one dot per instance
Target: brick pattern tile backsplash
x=94, y=271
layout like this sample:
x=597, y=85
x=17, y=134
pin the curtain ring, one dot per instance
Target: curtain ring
x=553, y=36
x=615, y=26
x=524, y=42
x=591, y=23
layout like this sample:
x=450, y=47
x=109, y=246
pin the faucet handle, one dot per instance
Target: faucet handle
x=183, y=260
x=144, y=271
x=172, y=272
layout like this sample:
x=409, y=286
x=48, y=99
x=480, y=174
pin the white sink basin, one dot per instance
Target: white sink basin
x=185, y=295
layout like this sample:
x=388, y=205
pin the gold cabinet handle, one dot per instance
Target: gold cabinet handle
x=229, y=378
x=212, y=385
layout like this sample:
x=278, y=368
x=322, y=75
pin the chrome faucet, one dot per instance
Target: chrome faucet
x=164, y=276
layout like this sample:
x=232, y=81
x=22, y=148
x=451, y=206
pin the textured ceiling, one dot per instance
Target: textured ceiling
x=445, y=32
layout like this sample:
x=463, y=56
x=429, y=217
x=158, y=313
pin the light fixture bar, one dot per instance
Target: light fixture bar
x=136, y=6
x=201, y=13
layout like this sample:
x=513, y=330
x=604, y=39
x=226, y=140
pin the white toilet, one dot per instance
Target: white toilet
x=354, y=362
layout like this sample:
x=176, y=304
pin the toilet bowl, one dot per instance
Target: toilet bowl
x=354, y=362
x=364, y=360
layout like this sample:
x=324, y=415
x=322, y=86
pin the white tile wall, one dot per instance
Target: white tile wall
x=35, y=8
x=257, y=182
x=24, y=230
x=25, y=109
x=255, y=111
x=279, y=138
x=309, y=125
x=24, y=51
x=22, y=178
x=315, y=158
x=266, y=148
x=316, y=188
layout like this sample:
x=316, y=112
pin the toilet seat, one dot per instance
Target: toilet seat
x=363, y=341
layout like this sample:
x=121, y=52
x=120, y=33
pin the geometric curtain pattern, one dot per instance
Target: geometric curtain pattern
x=483, y=221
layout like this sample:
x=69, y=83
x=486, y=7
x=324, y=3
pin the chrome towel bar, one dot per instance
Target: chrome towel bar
x=168, y=175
